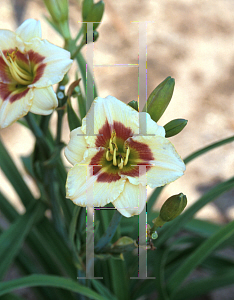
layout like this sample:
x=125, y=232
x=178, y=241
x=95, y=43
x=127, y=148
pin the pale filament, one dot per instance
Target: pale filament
x=112, y=154
x=20, y=75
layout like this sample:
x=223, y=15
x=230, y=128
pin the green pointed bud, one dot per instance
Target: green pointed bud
x=94, y=14
x=173, y=207
x=95, y=35
x=160, y=98
x=65, y=80
x=123, y=241
x=133, y=104
x=174, y=127
x=58, y=9
x=87, y=6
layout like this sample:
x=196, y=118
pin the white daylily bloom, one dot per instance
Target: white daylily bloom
x=108, y=163
x=29, y=66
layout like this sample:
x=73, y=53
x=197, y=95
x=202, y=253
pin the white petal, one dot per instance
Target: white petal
x=11, y=112
x=168, y=165
x=80, y=184
x=57, y=62
x=76, y=147
x=111, y=110
x=7, y=40
x=132, y=200
x=29, y=29
x=152, y=127
x=44, y=101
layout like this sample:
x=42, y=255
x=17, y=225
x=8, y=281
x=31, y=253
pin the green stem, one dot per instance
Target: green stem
x=108, y=235
x=53, y=192
x=78, y=49
x=37, y=132
x=79, y=34
x=59, y=126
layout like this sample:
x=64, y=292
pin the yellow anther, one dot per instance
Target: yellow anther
x=114, y=158
x=113, y=135
x=111, y=147
x=108, y=156
x=112, y=142
x=121, y=163
x=127, y=155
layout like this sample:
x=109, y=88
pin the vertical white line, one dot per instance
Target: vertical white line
x=89, y=82
x=142, y=224
x=142, y=83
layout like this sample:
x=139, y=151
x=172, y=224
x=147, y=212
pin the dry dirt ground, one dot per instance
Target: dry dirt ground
x=190, y=40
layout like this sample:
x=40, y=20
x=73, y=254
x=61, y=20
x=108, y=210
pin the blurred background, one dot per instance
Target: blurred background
x=190, y=40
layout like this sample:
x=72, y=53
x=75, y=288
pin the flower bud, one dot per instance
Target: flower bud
x=173, y=207
x=174, y=127
x=133, y=104
x=160, y=98
x=93, y=12
x=95, y=36
x=87, y=6
x=123, y=241
x=58, y=9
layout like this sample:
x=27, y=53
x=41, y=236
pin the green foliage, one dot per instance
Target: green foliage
x=47, y=243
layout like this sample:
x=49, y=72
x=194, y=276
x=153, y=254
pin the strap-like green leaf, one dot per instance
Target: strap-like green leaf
x=204, y=286
x=199, y=255
x=11, y=297
x=47, y=280
x=9, y=169
x=12, y=239
x=208, y=148
x=102, y=290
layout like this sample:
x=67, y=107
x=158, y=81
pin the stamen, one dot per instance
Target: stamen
x=127, y=155
x=108, y=156
x=19, y=75
x=114, y=158
x=113, y=134
x=111, y=147
x=20, y=72
x=4, y=58
x=112, y=142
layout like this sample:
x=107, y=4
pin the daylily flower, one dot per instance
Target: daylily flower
x=108, y=162
x=29, y=66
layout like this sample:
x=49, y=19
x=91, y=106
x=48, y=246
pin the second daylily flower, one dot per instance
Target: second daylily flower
x=29, y=66
x=107, y=163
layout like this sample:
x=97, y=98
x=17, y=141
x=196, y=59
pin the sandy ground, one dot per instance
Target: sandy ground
x=189, y=40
